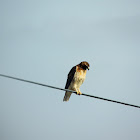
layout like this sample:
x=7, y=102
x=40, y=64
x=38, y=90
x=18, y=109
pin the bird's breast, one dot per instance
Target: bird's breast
x=79, y=77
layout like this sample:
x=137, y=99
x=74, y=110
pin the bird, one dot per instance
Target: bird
x=75, y=79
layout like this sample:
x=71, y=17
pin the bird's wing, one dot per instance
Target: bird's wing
x=70, y=77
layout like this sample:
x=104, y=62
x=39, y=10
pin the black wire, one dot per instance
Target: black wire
x=69, y=91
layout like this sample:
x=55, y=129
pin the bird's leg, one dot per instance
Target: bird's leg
x=78, y=92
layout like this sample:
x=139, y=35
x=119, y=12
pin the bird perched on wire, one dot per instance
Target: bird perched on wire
x=76, y=78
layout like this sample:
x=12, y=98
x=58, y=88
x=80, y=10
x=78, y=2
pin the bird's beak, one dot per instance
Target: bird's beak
x=88, y=68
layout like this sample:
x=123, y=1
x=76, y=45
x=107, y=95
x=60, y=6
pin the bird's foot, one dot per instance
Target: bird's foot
x=79, y=92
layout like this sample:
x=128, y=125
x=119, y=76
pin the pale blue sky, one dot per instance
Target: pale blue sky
x=41, y=41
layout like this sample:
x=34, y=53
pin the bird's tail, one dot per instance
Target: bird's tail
x=67, y=96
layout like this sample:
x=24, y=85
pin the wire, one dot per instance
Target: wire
x=69, y=91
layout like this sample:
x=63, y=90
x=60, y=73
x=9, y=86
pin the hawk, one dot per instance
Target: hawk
x=76, y=78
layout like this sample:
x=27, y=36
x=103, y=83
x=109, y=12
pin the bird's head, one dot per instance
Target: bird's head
x=84, y=65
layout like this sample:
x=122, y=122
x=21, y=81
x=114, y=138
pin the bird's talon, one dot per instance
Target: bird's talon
x=79, y=93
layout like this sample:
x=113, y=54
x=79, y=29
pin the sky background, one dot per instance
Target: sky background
x=41, y=40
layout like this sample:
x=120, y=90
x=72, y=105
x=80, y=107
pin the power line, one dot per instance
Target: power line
x=69, y=91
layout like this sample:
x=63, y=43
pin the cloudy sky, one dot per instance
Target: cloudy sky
x=41, y=40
